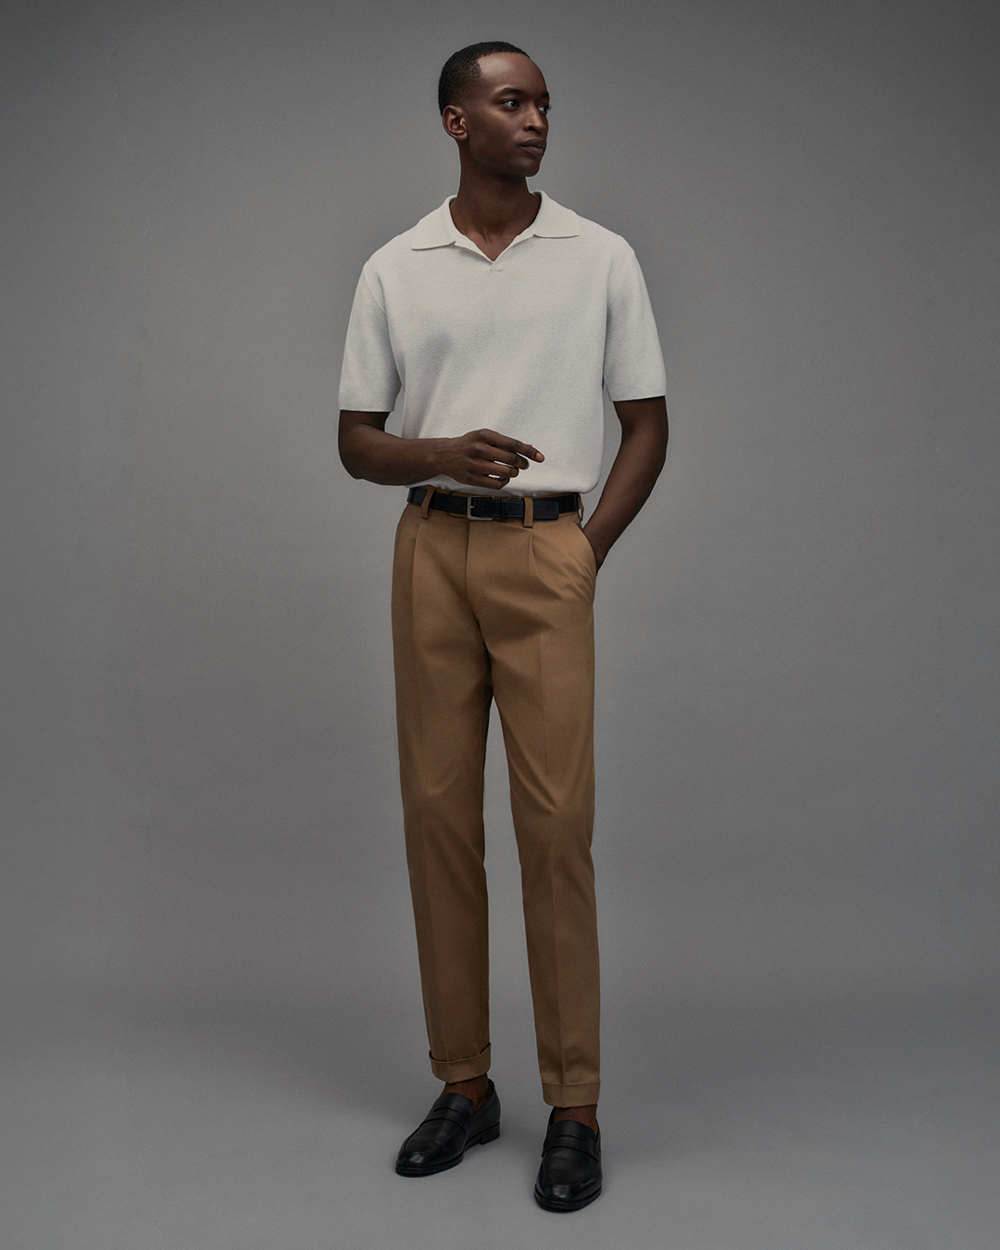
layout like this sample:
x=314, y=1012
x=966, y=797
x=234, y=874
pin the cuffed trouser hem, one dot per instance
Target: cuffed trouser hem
x=571, y=1095
x=461, y=1069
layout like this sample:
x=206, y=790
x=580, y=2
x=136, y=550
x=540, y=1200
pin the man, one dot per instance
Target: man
x=501, y=315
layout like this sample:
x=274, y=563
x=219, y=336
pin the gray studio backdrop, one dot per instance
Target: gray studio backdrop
x=797, y=694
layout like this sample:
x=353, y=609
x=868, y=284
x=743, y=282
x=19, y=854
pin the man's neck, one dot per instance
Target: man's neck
x=493, y=211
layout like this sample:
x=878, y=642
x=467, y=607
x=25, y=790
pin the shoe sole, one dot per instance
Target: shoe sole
x=487, y=1135
x=553, y=1204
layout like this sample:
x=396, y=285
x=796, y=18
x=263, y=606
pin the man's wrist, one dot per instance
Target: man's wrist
x=600, y=546
x=435, y=456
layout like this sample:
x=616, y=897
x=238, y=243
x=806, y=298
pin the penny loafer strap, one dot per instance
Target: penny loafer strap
x=570, y=1135
x=453, y=1107
x=461, y=1118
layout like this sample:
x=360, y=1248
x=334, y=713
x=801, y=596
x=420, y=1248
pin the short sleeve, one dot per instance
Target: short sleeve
x=369, y=380
x=633, y=359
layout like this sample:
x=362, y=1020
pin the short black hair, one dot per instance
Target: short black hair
x=462, y=69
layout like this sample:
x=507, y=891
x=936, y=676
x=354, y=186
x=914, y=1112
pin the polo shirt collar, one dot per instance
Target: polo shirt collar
x=437, y=229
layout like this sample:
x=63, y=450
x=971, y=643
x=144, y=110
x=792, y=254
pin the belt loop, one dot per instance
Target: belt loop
x=428, y=494
x=529, y=512
x=580, y=500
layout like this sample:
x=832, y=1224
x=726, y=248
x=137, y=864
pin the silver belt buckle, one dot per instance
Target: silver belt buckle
x=468, y=508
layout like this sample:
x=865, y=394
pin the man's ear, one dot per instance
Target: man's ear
x=453, y=120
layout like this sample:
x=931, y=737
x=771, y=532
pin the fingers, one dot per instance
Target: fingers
x=489, y=459
x=521, y=453
x=494, y=474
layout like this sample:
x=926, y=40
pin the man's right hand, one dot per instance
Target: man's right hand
x=480, y=458
x=485, y=458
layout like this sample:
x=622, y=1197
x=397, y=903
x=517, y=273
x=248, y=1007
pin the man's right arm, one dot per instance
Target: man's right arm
x=481, y=458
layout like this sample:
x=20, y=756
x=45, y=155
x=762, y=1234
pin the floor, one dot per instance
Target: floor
x=220, y=1121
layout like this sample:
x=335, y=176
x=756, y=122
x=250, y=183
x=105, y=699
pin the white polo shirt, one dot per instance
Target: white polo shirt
x=522, y=344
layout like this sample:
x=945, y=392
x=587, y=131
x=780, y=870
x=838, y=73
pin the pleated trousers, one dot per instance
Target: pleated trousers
x=503, y=610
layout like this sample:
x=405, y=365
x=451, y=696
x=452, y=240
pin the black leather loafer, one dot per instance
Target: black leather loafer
x=570, y=1175
x=450, y=1128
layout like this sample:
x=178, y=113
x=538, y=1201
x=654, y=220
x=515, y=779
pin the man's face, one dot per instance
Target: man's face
x=504, y=116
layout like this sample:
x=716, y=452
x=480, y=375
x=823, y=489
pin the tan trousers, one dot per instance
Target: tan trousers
x=501, y=610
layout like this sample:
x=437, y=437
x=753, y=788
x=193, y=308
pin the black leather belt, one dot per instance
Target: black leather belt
x=496, y=507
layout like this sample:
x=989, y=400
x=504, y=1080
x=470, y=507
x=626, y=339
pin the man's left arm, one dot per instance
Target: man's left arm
x=635, y=469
